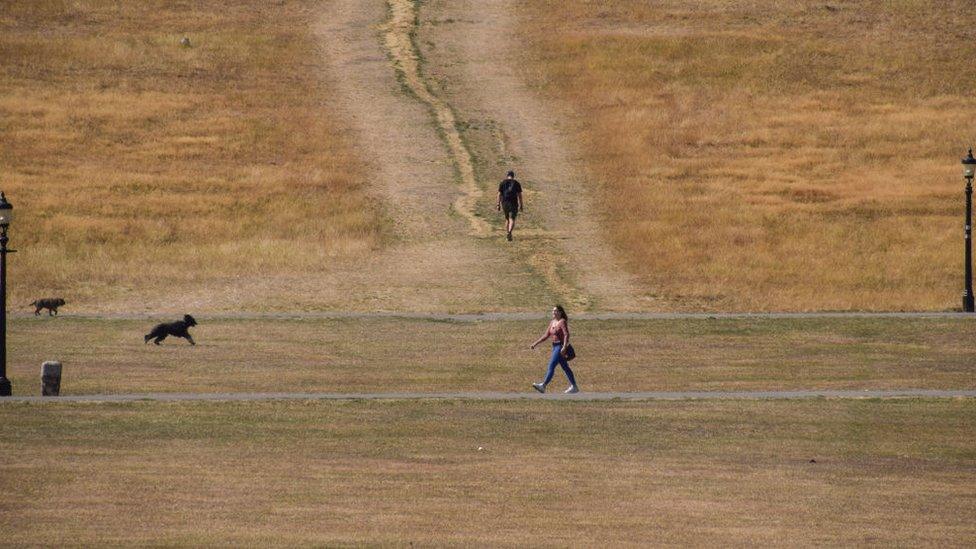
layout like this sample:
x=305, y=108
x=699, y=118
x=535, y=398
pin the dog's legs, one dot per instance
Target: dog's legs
x=159, y=338
x=190, y=339
x=37, y=312
x=50, y=312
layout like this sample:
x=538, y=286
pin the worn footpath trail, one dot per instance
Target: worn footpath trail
x=434, y=263
x=473, y=62
x=414, y=123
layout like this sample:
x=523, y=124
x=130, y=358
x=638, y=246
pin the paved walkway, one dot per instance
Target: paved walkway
x=503, y=316
x=677, y=395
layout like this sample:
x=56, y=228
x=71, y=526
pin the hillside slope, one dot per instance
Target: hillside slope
x=146, y=175
x=770, y=155
x=344, y=154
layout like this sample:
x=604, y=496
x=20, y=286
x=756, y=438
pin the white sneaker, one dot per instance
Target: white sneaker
x=539, y=387
x=572, y=390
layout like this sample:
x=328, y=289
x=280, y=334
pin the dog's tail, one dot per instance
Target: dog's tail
x=33, y=304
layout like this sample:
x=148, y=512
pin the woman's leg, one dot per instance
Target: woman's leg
x=569, y=373
x=553, y=360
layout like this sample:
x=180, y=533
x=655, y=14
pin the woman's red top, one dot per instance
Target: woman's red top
x=558, y=330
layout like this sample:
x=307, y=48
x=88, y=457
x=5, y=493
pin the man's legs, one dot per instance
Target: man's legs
x=511, y=211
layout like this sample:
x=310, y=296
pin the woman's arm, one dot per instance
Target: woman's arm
x=544, y=337
x=565, y=329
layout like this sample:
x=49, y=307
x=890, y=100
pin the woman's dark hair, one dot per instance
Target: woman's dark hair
x=562, y=314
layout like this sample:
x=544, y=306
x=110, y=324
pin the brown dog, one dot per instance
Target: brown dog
x=49, y=303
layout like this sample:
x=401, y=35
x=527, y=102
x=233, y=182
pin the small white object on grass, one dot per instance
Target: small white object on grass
x=185, y=42
x=480, y=448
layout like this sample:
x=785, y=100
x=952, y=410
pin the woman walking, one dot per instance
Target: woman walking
x=559, y=330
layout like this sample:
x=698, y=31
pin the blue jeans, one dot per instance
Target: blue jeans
x=557, y=358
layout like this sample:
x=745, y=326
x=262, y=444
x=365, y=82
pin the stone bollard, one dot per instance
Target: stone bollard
x=50, y=378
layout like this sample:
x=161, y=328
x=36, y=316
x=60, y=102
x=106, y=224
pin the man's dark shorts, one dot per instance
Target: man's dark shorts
x=510, y=209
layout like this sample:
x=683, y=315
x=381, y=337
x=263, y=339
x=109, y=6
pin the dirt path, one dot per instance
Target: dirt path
x=397, y=34
x=472, y=59
x=676, y=395
x=439, y=180
x=399, y=37
x=409, y=168
x=434, y=264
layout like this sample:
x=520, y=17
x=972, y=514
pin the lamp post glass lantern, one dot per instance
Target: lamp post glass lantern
x=969, y=165
x=6, y=216
x=6, y=212
x=968, y=170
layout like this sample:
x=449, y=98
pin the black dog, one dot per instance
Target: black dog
x=49, y=303
x=175, y=329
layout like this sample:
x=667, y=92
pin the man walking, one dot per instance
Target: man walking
x=510, y=202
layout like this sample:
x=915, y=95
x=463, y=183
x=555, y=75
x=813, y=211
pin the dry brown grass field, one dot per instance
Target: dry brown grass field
x=897, y=472
x=103, y=356
x=748, y=155
x=761, y=155
x=135, y=163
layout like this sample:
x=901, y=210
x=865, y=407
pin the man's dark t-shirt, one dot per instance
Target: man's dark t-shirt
x=510, y=190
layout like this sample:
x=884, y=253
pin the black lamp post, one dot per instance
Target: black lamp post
x=968, y=169
x=6, y=214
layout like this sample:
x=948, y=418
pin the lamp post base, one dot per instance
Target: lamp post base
x=5, y=389
x=968, y=303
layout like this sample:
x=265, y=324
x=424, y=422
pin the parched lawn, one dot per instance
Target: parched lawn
x=109, y=356
x=135, y=163
x=894, y=472
x=761, y=155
